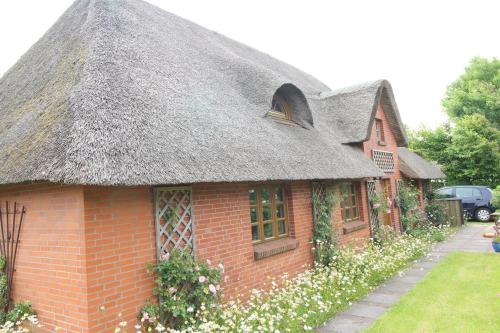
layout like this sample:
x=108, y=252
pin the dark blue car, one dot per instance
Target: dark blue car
x=476, y=200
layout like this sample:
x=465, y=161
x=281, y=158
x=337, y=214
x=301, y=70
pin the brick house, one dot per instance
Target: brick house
x=127, y=131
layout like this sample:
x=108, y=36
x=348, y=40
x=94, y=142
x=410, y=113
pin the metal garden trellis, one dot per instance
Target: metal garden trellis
x=11, y=222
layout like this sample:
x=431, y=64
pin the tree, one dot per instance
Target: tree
x=477, y=90
x=431, y=144
x=473, y=156
x=468, y=152
x=468, y=149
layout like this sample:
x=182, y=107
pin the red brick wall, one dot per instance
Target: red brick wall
x=390, y=145
x=222, y=217
x=51, y=261
x=120, y=242
x=358, y=237
x=85, y=247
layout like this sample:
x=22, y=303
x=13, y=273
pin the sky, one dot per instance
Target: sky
x=419, y=46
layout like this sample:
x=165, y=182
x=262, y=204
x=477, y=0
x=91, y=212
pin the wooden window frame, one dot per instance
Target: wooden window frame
x=379, y=131
x=353, y=206
x=284, y=117
x=274, y=219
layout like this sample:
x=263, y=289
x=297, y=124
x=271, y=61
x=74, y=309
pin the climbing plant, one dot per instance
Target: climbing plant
x=324, y=237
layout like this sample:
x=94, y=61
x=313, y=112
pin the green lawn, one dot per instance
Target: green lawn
x=461, y=294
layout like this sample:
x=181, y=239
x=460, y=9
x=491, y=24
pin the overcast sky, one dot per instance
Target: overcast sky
x=419, y=46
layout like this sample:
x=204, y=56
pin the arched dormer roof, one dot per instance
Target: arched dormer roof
x=290, y=103
x=351, y=111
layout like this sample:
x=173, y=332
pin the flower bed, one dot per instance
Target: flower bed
x=311, y=298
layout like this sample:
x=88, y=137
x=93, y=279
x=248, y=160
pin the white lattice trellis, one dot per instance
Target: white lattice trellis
x=319, y=190
x=383, y=159
x=174, y=219
x=374, y=221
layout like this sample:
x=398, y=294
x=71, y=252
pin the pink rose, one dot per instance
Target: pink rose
x=165, y=256
x=172, y=290
x=202, y=279
x=145, y=316
x=212, y=289
x=221, y=268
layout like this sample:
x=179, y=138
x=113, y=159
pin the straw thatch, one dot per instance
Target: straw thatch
x=414, y=166
x=122, y=92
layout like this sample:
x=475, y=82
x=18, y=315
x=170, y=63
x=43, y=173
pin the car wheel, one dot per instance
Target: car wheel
x=483, y=214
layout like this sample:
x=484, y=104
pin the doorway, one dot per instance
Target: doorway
x=386, y=213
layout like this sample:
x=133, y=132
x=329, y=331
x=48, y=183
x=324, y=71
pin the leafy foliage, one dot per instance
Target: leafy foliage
x=324, y=238
x=302, y=303
x=496, y=196
x=468, y=149
x=469, y=153
x=476, y=91
x=20, y=310
x=4, y=295
x=408, y=199
x=434, y=211
x=185, y=287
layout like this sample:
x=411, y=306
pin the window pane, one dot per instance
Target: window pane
x=281, y=227
x=347, y=214
x=280, y=211
x=445, y=193
x=255, y=232
x=266, y=213
x=476, y=193
x=276, y=105
x=268, y=230
x=279, y=195
x=355, y=213
x=265, y=196
x=252, y=195
x=464, y=192
x=253, y=214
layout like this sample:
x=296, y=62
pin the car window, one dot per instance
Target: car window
x=476, y=192
x=445, y=193
x=466, y=192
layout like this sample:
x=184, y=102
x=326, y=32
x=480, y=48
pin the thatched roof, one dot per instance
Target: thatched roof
x=122, y=92
x=414, y=166
x=352, y=110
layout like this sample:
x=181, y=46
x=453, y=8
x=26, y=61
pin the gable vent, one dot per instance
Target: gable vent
x=384, y=160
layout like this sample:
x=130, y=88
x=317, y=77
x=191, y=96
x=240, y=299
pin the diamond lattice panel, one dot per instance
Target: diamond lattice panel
x=174, y=220
x=374, y=221
x=384, y=160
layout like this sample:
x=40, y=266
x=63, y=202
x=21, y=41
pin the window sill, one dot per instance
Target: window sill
x=349, y=227
x=271, y=248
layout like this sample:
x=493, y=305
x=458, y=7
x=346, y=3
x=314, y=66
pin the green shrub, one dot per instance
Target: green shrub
x=185, y=287
x=149, y=316
x=435, y=212
x=496, y=197
x=324, y=238
x=21, y=310
x=4, y=293
x=408, y=199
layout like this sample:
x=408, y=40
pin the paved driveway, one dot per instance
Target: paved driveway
x=365, y=311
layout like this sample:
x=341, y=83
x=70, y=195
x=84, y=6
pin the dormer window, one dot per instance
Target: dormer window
x=280, y=108
x=289, y=106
